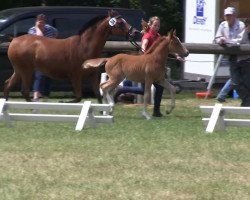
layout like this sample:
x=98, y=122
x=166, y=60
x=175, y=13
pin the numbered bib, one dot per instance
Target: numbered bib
x=112, y=21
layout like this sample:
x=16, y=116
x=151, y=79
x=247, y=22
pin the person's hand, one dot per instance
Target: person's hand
x=222, y=40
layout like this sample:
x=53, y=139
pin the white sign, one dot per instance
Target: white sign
x=200, y=27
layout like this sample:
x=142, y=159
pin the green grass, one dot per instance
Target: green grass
x=167, y=158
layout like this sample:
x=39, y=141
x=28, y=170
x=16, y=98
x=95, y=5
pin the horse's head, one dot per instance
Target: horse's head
x=175, y=46
x=120, y=27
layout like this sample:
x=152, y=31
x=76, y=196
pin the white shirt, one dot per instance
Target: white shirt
x=232, y=34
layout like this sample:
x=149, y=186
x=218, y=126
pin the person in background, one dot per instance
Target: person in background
x=229, y=32
x=41, y=84
x=241, y=70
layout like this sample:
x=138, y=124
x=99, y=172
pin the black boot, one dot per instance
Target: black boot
x=245, y=101
x=157, y=113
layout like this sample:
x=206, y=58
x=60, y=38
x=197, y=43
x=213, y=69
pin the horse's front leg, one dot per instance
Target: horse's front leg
x=96, y=86
x=76, y=82
x=167, y=85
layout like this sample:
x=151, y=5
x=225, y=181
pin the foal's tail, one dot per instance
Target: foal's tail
x=97, y=62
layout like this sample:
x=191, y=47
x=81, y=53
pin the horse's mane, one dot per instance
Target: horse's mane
x=91, y=22
x=154, y=45
x=95, y=20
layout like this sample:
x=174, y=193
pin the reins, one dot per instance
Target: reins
x=136, y=45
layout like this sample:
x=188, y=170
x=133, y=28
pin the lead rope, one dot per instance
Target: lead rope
x=137, y=46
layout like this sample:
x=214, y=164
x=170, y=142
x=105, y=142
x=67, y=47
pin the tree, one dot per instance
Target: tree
x=146, y=7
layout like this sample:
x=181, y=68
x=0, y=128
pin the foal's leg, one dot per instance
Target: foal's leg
x=107, y=87
x=172, y=91
x=146, y=99
x=9, y=83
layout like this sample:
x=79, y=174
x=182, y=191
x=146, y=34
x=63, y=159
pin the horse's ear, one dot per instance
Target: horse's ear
x=112, y=13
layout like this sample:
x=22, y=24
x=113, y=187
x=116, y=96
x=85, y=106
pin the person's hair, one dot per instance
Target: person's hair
x=146, y=25
x=152, y=19
x=41, y=17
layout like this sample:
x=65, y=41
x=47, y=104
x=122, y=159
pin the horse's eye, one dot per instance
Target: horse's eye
x=121, y=23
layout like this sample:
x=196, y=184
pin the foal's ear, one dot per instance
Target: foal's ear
x=171, y=33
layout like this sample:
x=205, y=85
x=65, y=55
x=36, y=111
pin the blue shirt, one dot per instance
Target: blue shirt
x=49, y=31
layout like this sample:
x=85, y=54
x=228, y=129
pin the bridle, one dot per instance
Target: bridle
x=128, y=34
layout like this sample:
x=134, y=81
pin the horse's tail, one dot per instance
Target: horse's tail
x=97, y=62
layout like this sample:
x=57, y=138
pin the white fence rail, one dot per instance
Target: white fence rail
x=218, y=113
x=87, y=112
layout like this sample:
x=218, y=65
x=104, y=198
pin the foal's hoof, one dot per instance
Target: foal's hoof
x=169, y=111
x=146, y=115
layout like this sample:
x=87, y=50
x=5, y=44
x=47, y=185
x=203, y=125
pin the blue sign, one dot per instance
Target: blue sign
x=200, y=18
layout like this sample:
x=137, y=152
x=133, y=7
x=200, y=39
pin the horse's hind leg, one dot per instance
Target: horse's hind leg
x=9, y=83
x=26, y=84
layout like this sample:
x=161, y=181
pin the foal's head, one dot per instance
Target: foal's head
x=120, y=27
x=175, y=45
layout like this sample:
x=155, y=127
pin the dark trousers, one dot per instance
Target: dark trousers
x=128, y=88
x=240, y=75
x=41, y=83
x=158, y=96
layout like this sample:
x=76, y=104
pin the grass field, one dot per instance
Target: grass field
x=136, y=159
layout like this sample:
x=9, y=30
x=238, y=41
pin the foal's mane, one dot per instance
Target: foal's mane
x=154, y=45
x=91, y=23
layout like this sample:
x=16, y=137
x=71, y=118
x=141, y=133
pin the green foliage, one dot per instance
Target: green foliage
x=170, y=13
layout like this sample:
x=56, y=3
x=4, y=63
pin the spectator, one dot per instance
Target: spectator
x=241, y=71
x=41, y=84
x=229, y=32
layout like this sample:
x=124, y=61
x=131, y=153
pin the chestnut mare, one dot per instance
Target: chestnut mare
x=147, y=68
x=62, y=58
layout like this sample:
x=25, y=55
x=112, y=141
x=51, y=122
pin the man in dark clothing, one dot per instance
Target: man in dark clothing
x=241, y=70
